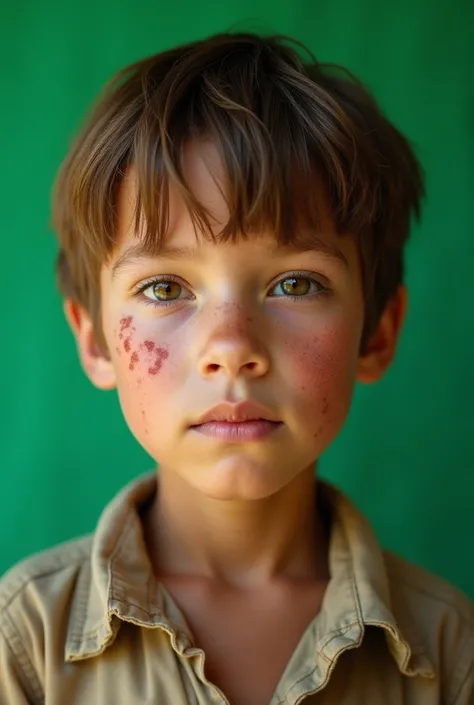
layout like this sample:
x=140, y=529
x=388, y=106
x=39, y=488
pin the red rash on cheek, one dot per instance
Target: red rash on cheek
x=133, y=360
x=125, y=323
x=160, y=356
x=157, y=354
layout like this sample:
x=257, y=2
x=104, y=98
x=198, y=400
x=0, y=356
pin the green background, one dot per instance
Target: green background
x=406, y=454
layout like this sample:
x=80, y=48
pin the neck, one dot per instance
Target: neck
x=241, y=543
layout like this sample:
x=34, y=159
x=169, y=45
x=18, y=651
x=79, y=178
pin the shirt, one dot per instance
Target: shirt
x=88, y=622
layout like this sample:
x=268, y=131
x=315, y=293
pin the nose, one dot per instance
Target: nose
x=232, y=347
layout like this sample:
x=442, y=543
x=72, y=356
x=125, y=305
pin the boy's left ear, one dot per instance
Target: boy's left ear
x=380, y=348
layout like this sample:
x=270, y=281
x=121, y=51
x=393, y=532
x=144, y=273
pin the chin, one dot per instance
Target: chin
x=235, y=479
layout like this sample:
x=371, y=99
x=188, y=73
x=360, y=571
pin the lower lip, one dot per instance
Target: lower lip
x=238, y=432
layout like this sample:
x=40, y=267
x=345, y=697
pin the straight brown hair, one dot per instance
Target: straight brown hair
x=276, y=120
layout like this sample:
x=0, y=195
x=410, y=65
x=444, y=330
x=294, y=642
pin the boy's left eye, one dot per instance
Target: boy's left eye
x=298, y=286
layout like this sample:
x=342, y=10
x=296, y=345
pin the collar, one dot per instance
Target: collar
x=358, y=595
x=118, y=585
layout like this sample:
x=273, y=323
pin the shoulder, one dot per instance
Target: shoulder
x=56, y=565
x=35, y=599
x=421, y=584
x=437, y=618
x=36, y=593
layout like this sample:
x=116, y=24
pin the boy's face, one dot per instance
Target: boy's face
x=243, y=321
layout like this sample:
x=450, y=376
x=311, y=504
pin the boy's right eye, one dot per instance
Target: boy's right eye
x=160, y=291
x=165, y=290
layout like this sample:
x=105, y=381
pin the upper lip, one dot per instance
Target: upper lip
x=243, y=411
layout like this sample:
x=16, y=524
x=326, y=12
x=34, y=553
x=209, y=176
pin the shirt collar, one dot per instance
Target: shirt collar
x=358, y=595
x=118, y=585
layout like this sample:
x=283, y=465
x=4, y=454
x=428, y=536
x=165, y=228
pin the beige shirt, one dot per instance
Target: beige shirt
x=87, y=622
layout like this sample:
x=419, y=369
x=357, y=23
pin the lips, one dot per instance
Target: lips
x=237, y=423
x=237, y=431
x=236, y=413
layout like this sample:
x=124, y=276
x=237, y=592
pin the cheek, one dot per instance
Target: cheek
x=138, y=353
x=323, y=369
x=143, y=365
x=324, y=358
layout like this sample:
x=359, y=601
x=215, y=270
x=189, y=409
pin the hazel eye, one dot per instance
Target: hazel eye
x=166, y=290
x=297, y=286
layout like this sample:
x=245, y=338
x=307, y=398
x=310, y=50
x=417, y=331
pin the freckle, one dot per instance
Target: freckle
x=126, y=344
x=249, y=319
x=133, y=361
x=149, y=344
x=160, y=356
x=318, y=432
x=119, y=352
x=144, y=421
x=303, y=388
x=121, y=336
x=139, y=381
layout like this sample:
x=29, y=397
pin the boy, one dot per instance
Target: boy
x=231, y=224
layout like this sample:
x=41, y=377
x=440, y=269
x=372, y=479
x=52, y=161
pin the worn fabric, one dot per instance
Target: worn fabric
x=88, y=622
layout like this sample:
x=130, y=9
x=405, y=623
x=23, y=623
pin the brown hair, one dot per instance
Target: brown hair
x=273, y=117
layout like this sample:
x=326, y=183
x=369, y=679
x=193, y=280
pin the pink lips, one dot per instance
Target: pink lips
x=239, y=431
x=244, y=421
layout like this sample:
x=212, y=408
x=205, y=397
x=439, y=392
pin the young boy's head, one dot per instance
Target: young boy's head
x=231, y=223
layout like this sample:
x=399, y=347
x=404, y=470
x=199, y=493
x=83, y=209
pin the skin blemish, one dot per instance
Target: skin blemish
x=143, y=415
x=119, y=352
x=150, y=345
x=125, y=323
x=133, y=361
x=126, y=344
x=325, y=406
x=144, y=421
x=160, y=355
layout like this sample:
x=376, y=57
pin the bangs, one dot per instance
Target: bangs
x=287, y=151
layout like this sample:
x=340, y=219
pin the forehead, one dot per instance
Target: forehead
x=205, y=176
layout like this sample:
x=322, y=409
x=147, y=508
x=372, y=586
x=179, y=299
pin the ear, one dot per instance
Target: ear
x=96, y=364
x=380, y=348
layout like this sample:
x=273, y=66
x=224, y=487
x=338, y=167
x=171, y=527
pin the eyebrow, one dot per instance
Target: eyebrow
x=140, y=251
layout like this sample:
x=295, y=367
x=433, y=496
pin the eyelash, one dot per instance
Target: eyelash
x=143, y=286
